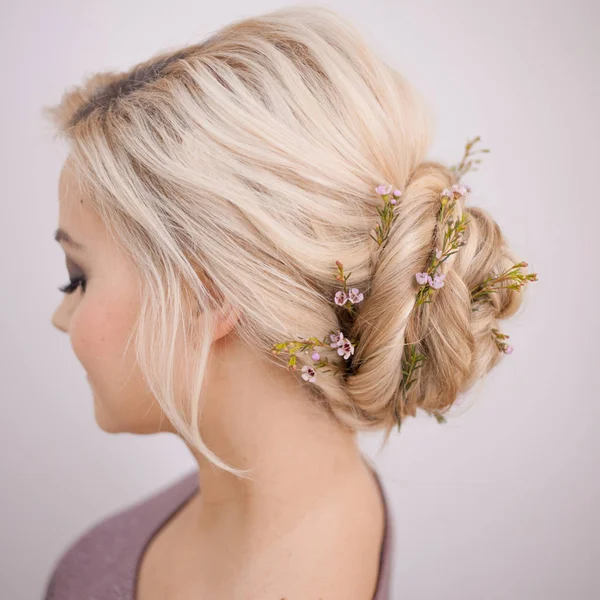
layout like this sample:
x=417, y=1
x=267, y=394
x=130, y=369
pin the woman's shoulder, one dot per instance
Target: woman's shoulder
x=101, y=561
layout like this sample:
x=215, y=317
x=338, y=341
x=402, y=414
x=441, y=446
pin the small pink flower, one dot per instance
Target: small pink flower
x=341, y=298
x=421, y=278
x=346, y=349
x=508, y=349
x=437, y=282
x=337, y=339
x=355, y=296
x=309, y=374
x=382, y=190
x=459, y=190
x=396, y=194
x=438, y=253
x=315, y=356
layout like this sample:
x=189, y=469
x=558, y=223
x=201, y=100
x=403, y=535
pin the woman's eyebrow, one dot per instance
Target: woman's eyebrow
x=62, y=236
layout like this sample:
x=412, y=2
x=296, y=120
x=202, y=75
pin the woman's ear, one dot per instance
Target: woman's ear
x=224, y=313
x=226, y=319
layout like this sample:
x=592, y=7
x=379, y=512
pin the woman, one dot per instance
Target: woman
x=263, y=263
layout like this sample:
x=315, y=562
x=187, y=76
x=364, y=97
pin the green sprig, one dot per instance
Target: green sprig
x=467, y=163
x=495, y=283
x=387, y=216
x=453, y=240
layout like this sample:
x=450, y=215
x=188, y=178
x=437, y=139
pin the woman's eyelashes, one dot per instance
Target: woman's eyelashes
x=76, y=280
x=73, y=284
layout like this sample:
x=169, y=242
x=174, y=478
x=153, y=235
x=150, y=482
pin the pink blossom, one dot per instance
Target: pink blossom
x=459, y=190
x=438, y=253
x=396, y=194
x=508, y=349
x=346, y=349
x=382, y=190
x=341, y=298
x=437, y=282
x=315, y=356
x=309, y=374
x=337, y=339
x=421, y=278
x=355, y=296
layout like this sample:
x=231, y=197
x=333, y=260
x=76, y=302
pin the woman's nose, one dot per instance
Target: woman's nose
x=59, y=318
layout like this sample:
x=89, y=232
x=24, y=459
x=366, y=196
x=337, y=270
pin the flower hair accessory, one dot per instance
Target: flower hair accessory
x=429, y=281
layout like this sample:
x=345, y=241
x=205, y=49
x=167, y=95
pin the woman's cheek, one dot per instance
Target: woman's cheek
x=100, y=332
x=90, y=338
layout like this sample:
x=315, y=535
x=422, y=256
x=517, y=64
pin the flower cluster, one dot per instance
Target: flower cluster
x=453, y=239
x=344, y=298
x=430, y=280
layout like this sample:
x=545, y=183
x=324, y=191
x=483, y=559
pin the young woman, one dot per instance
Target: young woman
x=257, y=251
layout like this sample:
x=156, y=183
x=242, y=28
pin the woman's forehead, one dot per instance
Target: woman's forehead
x=77, y=223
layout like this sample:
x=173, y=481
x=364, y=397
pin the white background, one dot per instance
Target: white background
x=500, y=503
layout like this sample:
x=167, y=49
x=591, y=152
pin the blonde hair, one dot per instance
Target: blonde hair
x=242, y=168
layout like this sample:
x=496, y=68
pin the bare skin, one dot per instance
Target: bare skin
x=310, y=523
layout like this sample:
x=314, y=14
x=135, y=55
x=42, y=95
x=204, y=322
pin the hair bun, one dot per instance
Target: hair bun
x=455, y=334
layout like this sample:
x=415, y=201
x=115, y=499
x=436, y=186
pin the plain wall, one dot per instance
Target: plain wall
x=501, y=502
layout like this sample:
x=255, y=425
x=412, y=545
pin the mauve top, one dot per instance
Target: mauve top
x=103, y=563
